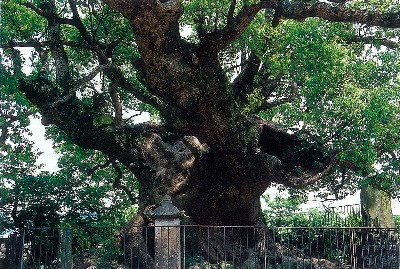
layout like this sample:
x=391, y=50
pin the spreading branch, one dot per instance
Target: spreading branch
x=246, y=76
x=391, y=44
x=298, y=10
x=301, y=162
x=118, y=184
x=231, y=12
x=212, y=43
x=47, y=11
x=115, y=74
x=271, y=104
x=307, y=179
x=338, y=12
x=116, y=103
x=79, y=121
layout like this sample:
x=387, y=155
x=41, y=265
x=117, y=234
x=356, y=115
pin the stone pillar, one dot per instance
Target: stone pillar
x=66, y=249
x=167, y=235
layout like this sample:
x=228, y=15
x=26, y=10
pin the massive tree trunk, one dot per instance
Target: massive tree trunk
x=376, y=208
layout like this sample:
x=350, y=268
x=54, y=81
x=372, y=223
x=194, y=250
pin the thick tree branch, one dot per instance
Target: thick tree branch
x=116, y=103
x=77, y=22
x=301, y=162
x=118, y=184
x=268, y=105
x=231, y=12
x=79, y=121
x=246, y=77
x=307, y=178
x=212, y=43
x=60, y=57
x=391, y=44
x=339, y=12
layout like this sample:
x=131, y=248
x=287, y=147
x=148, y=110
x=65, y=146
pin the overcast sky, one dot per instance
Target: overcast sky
x=49, y=157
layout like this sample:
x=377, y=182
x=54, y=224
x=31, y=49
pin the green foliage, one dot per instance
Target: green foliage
x=90, y=187
x=70, y=197
x=397, y=220
x=347, y=99
x=17, y=154
x=286, y=212
x=19, y=23
x=97, y=243
x=281, y=211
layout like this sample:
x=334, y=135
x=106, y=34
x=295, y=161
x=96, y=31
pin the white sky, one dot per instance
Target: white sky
x=49, y=157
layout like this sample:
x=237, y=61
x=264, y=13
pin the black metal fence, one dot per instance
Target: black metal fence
x=207, y=247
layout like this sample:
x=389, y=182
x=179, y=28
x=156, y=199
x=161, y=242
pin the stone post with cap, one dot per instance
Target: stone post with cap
x=167, y=235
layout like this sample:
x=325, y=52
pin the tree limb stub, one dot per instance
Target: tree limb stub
x=301, y=162
x=245, y=78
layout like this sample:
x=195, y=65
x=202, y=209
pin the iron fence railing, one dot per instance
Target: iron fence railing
x=210, y=247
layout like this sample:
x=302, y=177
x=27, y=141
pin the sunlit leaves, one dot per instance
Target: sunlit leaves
x=88, y=183
x=348, y=97
x=17, y=154
x=19, y=23
x=375, y=5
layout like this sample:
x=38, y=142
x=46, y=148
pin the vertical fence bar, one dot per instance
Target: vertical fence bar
x=184, y=247
x=208, y=244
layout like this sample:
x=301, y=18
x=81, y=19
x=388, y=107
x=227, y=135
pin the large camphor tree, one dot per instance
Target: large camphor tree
x=242, y=94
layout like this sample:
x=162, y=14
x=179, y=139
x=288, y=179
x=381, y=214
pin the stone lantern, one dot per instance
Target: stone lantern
x=167, y=235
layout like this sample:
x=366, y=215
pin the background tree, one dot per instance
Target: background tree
x=78, y=195
x=18, y=157
x=219, y=95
